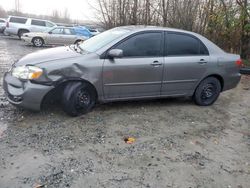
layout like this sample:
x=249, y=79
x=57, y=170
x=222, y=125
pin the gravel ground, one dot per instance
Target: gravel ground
x=178, y=144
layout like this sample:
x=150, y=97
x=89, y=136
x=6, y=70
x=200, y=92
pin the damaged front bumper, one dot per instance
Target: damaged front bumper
x=27, y=40
x=24, y=94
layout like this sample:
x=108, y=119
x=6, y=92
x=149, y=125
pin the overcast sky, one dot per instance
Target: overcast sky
x=78, y=9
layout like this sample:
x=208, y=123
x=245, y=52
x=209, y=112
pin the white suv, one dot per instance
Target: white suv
x=2, y=25
x=16, y=25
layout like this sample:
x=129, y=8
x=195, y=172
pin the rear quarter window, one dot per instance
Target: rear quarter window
x=68, y=31
x=18, y=20
x=38, y=23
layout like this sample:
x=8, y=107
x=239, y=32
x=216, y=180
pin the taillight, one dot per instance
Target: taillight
x=7, y=24
x=239, y=63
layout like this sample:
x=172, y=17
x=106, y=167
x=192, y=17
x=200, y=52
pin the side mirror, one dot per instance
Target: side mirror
x=50, y=32
x=115, y=53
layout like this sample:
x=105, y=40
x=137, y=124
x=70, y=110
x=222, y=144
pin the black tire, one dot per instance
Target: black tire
x=21, y=32
x=207, y=91
x=37, y=42
x=78, y=41
x=78, y=98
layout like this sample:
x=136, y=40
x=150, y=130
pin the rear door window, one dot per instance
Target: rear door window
x=178, y=44
x=18, y=20
x=69, y=31
x=38, y=23
x=72, y=32
x=142, y=45
x=57, y=31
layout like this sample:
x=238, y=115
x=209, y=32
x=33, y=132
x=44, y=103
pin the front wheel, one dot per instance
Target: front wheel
x=37, y=42
x=78, y=98
x=207, y=91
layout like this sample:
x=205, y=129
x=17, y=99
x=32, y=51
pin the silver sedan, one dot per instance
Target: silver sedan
x=54, y=36
x=124, y=63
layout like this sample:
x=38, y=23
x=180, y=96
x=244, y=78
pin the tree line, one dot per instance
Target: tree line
x=225, y=22
x=56, y=16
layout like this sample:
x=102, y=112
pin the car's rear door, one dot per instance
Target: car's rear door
x=139, y=72
x=55, y=36
x=69, y=36
x=185, y=63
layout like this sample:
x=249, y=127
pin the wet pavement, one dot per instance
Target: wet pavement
x=177, y=144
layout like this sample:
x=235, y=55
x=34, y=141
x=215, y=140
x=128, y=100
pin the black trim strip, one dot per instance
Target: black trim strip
x=133, y=83
x=245, y=71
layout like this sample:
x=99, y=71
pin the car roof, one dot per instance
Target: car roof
x=64, y=27
x=134, y=28
x=29, y=18
x=73, y=27
x=138, y=28
x=213, y=48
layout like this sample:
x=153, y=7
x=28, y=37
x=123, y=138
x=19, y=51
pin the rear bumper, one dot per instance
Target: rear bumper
x=231, y=81
x=24, y=94
x=11, y=31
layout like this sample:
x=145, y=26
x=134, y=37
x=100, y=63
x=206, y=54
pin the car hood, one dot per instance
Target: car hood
x=32, y=34
x=51, y=54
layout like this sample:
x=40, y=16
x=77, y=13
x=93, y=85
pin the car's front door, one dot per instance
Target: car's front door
x=185, y=63
x=139, y=72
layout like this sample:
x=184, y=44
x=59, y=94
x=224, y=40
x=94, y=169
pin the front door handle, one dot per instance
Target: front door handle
x=202, y=61
x=156, y=64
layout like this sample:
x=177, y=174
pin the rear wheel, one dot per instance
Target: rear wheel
x=21, y=32
x=37, y=42
x=78, y=98
x=207, y=92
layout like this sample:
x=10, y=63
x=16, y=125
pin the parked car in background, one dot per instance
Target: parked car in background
x=16, y=25
x=81, y=30
x=2, y=25
x=94, y=31
x=56, y=36
x=124, y=63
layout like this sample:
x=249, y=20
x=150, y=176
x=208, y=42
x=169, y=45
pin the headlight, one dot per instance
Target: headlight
x=27, y=72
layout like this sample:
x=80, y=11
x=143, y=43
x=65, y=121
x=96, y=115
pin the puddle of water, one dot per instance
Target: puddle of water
x=3, y=127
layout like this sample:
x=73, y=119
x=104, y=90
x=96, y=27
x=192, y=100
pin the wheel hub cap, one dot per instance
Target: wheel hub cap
x=208, y=91
x=38, y=42
x=83, y=98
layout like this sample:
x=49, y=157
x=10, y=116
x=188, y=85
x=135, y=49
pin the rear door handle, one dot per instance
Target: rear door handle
x=156, y=64
x=202, y=61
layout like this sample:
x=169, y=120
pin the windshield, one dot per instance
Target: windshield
x=101, y=40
